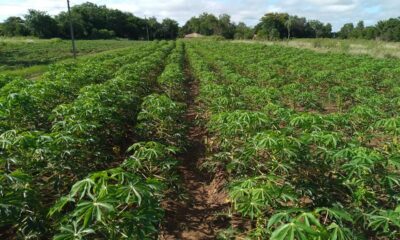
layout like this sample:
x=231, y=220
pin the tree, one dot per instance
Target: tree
x=283, y=25
x=169, y=28
x=289, y=24
x=389, y=30
x=358, y=31
x=14, y=26
x=117, y=21
x=226, y=28
x=243, y=32
x=92, y=15
x=62, y=20
x=370, y=33
x=208, y=24
x=327, y=31
x=346, y=30
x=274, y=24
x=41, y=24
x=317, y=27
x=154, y=28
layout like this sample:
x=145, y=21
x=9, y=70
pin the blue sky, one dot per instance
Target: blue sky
x=336, y=12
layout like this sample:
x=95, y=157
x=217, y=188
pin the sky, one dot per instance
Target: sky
x=337, y=12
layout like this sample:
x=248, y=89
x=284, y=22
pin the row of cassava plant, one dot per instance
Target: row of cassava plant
x=297, y=174
x=27, y=105
x=124, y=202
x=87, y=134
x=308, y=81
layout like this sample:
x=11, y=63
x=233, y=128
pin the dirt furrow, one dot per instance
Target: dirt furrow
x=198, y=216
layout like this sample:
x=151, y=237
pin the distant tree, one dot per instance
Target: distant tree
x=389, y=30
x=117, y=21
x=62, y=20
x=274, y=34
x=41, y=24
x=169, y=28
x=274, y=25
x=358, y=31
x=327, y=31
x=14, y=26
x=154, y=26
x=283, y=25
x=370, y=33
x=96, y=21
x=226, y=27
x=289, y=24
x=208, y=24
x=91, y=21
x=243, y=32
x=346, y=30
x=102, y=34
x=317, y=27
x=300, y=28
x=92, y=16
x=192, y=25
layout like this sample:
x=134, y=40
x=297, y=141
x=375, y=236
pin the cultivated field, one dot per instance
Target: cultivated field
x=378, y=49
x=202, y=140
x=29, y=57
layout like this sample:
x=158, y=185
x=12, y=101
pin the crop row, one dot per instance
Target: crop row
x=124, y=202
x=309, y=81
x=88, y=134
x=27, y=105
x=301, y=172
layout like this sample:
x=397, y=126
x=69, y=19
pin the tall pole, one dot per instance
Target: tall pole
x=147, y=29
x=71, y=28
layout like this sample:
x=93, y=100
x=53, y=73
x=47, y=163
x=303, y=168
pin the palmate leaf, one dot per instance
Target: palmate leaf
x=73, y=232
x=297, y=224
x=337, y=232
x=253, y=196
x=133, y=192
x=7, y=139
x=394, y=161
x=89, y=211
x=392, y=180
x=384, y=220
x=280, y=217
x=60, y=204
x=294, y=231
x=82, y=188
x=335, y=214
x=308, y=219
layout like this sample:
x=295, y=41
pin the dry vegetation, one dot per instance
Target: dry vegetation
x=379, y=49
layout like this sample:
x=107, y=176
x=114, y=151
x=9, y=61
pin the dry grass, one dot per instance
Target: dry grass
x=378, y=49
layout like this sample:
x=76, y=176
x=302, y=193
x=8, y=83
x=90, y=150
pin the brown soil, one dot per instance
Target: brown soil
x=198, y=216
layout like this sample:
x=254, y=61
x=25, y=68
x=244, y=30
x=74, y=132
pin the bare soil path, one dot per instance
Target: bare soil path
x=197, y=217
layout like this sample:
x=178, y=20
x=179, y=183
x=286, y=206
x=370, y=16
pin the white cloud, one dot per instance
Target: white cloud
x=336, y=12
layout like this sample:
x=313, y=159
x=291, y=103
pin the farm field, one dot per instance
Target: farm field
x=30, y=57
x=202, y=140
x=374, y=48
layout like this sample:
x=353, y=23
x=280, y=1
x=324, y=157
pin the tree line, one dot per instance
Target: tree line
x=92, y=21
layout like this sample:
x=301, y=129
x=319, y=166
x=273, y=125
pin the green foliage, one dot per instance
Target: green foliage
x=76, y=145
x=159, y=117
x=41, y=24
x=113, y=204
x=14, y=26
x=208, y=24
x=90, y=21
x=309, y=146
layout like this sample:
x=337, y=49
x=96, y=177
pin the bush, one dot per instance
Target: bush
x=55, y=40
x=102, y=34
